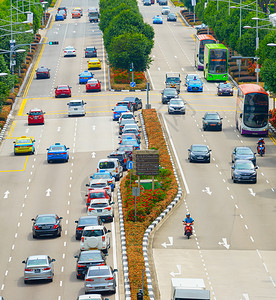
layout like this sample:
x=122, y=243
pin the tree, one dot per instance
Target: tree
x=130, y=48
x=268, y=74
x=6, y=82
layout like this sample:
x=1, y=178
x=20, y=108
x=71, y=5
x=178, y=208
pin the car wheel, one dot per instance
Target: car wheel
x=59, y=234
x=34, y=236
x=255, y=181
x=117, y=178
x=208, y=161
x=78, y=277
x=105, y=251
x=25, y=281
x=48, y=161
x=51, y=280
x=204, y=128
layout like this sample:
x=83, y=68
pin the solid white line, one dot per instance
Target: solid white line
x=151, y=80
x=251, y=238
x=114, y=255
x=259, y=254
x=2, y=287
x=176, y=157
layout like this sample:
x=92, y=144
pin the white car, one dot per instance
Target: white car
x=102, y=208
x=95, y=237
x=111, y=165
x=76, y=108
x=176, y=105
x=91, y=297
x=99, y=184
x=70, y=51
x=165, y=10
x=126, y=115
x=130, y=126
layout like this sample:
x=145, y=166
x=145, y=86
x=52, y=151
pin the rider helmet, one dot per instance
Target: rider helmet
x=187, y=214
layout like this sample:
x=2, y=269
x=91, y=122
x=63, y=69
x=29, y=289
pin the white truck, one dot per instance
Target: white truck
x=189, y=289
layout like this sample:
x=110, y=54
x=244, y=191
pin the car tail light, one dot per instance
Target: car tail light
x=79, y=228
x=36, y=227
x=124, y=160
x=116, y=170
x=102, y=264
x=103, y=238
x=63, y=153
x=109, y=278
x=86, y=51
x=55, y=226
x=90, y=209
x=108, y=208
x=28, y=270
x=81, y=266
x=47, y=269
x=89, y=279
x=97, y=169
x=50, y=153
x=82, y=239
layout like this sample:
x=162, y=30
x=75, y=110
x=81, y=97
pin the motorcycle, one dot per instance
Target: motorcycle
x=188, y=230
x=261, y=149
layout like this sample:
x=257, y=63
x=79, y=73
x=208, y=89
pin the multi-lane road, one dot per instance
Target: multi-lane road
x=233, y=248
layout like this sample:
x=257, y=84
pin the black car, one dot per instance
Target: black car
x=244, y=153
x=87, y=259
x=225, y=89
x=46, y=225
x=136, y=102
x=42, y=73
x=244, y=171
x=122, y=156
x=199, y=153
x=212, y=121
x=90, y=51
x=168, y=94
x=147, y=2
x=171, y=17
x=86, y=221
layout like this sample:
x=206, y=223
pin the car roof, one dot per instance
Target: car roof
x=92, y=297
x=42, y=68
x=100, y=200
x=99, y=267
x=117, y=152
x=88, y=217
x=93, y=227
x=35, y=109
x=63, y=85
x=38, y=256
x=92, y=80
x=108, y=159
x=47, y=215
x=199, y=145
x=73, y=101
x=243, y=147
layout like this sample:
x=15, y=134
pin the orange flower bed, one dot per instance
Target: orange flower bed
x=149, y=205
x=272, y=117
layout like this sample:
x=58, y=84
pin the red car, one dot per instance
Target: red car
x=96, y=194
x=63, y=91
x=35, y=116
x=124, y=136
x=93, y=85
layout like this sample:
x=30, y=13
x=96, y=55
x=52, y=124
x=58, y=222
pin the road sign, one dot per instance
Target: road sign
x=130, y=165
x=146, y=162
x=135, y=191
x=132, y=84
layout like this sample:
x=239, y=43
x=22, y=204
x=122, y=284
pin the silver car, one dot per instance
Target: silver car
x=177, y=105
x=38, y=267
x=91, y=297
x=100, y=279
x=165, y=10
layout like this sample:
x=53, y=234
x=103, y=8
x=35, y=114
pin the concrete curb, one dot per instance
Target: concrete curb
x=161, y=216
x=183, y=19
x=130, y=91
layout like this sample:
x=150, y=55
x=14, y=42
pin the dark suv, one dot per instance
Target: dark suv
x=90, y=51
x=122, y=156
x=168, y=94
x=136, y=102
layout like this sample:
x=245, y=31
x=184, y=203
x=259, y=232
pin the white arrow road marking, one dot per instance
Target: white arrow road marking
x=93, y=154
x=224, y=243
x=94, y=127
x=58, y=129
x=6, y=194
x=207, y=190
x=252, y=193
x=245, y=297
x=170, y=244
x=179, y=271
x=48, y=192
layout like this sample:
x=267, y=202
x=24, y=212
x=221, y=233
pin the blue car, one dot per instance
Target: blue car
x=57, y=152
x=195, y=85
x=131, y=142
x=103, y=174
x=59, y=17
x=85, y=76
x=117, y=110
x=157, y=20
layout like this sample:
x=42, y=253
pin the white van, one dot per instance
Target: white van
x=76, y=108
x=111, y=165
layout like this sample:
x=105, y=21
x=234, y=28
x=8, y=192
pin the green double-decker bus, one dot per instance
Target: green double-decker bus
x=215, y=62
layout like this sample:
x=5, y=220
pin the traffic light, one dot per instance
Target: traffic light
x=53, y=43
x=131, y=67
x=140, y=295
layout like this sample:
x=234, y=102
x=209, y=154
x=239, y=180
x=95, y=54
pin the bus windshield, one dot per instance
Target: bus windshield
x=218, y=61
x=201, y=49
x=255, y=110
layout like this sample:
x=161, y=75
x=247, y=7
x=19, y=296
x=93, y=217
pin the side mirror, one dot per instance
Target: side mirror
x=233, y=167
x=189, y=150
x=77, y=221
x=115, y=270
x=47, y=149
x=33, y=219
x=112, y=203
x=86, y=195
x=112, y=109
x=27, y=113
x=67, y=103
x=84, y=103
x=67, y=148
x=75, y=256
x=240, y=115
x=108, y=230
x=256, y=167
x=23, y=261
x=86, y=185
x=60, y=218
x=52, y=260
x=33, y=140
x=221, y=118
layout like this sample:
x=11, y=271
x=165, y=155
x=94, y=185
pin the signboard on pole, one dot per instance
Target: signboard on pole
x=30, y=17
x=193, y=2
x=146, y=162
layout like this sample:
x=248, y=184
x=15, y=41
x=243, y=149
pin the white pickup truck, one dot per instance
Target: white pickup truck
x=189, y=288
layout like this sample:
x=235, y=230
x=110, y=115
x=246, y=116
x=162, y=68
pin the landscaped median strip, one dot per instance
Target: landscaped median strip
x=134, y=235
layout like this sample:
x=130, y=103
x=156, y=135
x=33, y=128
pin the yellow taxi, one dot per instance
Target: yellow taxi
x=94, y=63
x=78, y=9
x=24, y=145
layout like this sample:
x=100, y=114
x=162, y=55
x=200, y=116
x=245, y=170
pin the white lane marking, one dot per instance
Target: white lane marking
x=150, y=79
x=65, y=232
x=60, y=283
x=6, y=194
x=265, y=267
x=6, y=273
x=251, y=238
x=15, y=236
x=62, y=268
x=13, y=247
x=176, y=156
x=114, y=247
x=2, y=287
x=258, y=252
x=18, y=224
x=246, y=227
x=10, y=259
x=66, y=222
x=236, y=206
x=64, y=244
x=63, y=255
x=228, y=188
x=232, y=197
x=67, y=211
x=241, y=216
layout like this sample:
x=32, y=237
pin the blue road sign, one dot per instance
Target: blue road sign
x=130, y=165
x=132, y=84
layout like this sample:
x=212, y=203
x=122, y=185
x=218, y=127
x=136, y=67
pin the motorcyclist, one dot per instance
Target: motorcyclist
x=188, y=220
x=259, y=143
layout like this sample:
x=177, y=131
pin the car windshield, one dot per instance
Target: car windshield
x=127, y=116
x=37, y=262
x=126, y=148
x=35, y=113
x=98, y=205
x=46, y=219
x=23, y=141
x=172, y=15
x=244, y=151
x=225, y=85
x=129, y=142
x=75, y=103
x=127, y=121
x=85, y=74
x=107, y=165
x=62, y=88
x=212, y=117
x=191, y=76
x=90, y=49
x=97, y=195
x=99, y=272
x=69, y=48
x=166, y=7
x=120, y=108
x=247, y=165
x=101, y=176
x=195, y=82
x=90, y=233
x=131, y=131
x=199, y=148
x=176, y=102
x=57, y=148
x=90, y=256
x=170, y=92
x=90, y=221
